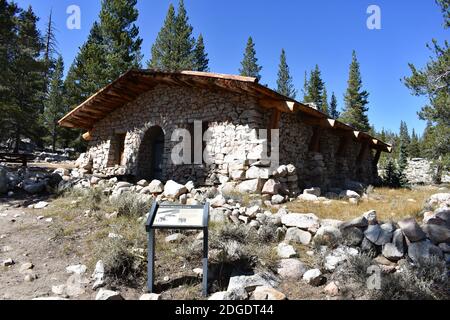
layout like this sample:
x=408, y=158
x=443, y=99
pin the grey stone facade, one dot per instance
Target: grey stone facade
x=233, y=120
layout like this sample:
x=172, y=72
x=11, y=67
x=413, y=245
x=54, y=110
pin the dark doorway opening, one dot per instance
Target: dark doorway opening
x=151, y=155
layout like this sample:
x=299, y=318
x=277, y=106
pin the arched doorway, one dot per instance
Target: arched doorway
x=151, y=155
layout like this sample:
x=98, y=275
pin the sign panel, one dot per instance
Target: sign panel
x=179, y=217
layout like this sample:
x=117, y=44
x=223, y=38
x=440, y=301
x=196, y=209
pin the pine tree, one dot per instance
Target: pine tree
x=305, y=87
x=392, y=177
x=54, y=104
x=50, y=44
x=325, y=108
x=163, y=50
x=120, y=36
x=249, y=65
x=284, y=82
x=404, y=133
x=334, y=113
x=201, y=57
x=355, y=109
x=174, y=48
x=27, y=83
x=414, y=146
x=315, y=88
x=8, y=40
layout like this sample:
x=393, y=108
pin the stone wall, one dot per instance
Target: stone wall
x=233, y=121
x=325, y=169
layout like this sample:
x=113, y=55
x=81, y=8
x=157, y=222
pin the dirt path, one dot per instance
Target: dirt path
x=24, y=239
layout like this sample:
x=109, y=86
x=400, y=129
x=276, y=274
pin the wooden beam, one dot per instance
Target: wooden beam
x=87, y=136
x=364, y=152
x=283, y=106
x=275, y=119
x=376, y=158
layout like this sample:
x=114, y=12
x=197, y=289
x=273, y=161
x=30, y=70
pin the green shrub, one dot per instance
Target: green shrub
x=131, y=205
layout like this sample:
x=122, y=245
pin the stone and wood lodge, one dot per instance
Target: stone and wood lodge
x=130, y=122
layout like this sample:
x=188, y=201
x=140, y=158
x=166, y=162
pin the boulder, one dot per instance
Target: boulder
x=277, y=199
x=328, y=236
x=268, y=293
x=437, y=233
x=150, y=297
x=298, y=236
x=395, y=251
x=123, y=184
x=331, y=289
x=75, y=285
x=338, y=256
x=190, y=185
x=271, y=187
x=307, y=197
x=108, y=295
x=257, y=173
x=41, y=205
x=423, y=250
x=251, y=186
x=174, y=238
x=237, y=174
x=142, y=183
x=313, y=277
x=218, y=201
x=300, y=220
x=412, y=230
x=34, y=187
x=98, y=275
x=252, y=211
x=349, y=194
x=174, y=190
x=352, y=236
x=79, y=269
x=286, y=251
x=314, y=191
x=291, y=269
x=360, y=222
x=235, y=294
x=250, y=282
x=373, y=232
x=371, y=217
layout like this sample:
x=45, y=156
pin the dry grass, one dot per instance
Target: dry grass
x=390, y=204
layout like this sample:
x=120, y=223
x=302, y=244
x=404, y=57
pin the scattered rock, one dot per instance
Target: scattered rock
x=268, y=293
x=291, y=269
x=25, y=267
x=8, y=262
x=422, y=250
x=79, y=269
x=298, y=236
x=41, y=205
x=307, y=197
x=299, y=220
x=175, y=238
x=277, y=199
x=174, y=190
x=412, y=230
x=150, y=297
x=331, y=289
x=328, y=236
x=98, y=275
x=271, y=187
x=437, y=233
x=59, y=290
x=313, y=277
x=313, y=191
x=249, y=283
x=104, y=294
x=286, y=251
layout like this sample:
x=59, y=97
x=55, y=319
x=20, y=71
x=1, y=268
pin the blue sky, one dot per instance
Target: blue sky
x=322, y=32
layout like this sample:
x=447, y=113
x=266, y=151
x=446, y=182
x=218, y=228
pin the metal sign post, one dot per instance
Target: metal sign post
x=176, y=217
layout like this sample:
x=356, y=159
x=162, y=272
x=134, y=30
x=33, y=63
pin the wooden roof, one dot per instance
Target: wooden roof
x=135, y=82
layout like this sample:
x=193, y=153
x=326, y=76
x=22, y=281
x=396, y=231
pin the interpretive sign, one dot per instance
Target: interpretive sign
x=176, y=217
